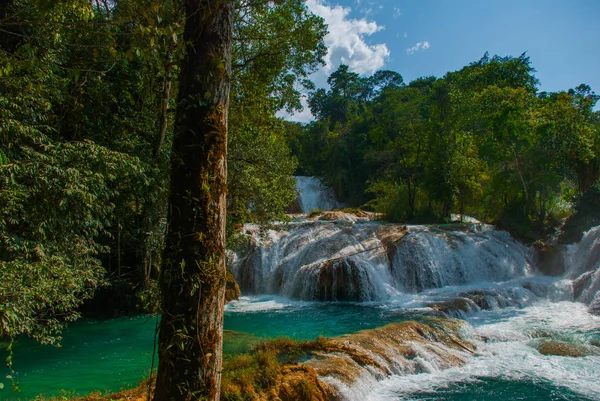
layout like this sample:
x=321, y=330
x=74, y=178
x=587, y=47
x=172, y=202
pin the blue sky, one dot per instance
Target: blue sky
x=432, y=37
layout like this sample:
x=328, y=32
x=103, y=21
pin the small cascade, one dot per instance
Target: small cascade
x=317, y=260
x=372, y=261
x=582, y=274
x=356, y=362
x=545, y=351
x=430, y=257
x=313, y=195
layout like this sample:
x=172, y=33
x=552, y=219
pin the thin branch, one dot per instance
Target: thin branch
x=87, y=70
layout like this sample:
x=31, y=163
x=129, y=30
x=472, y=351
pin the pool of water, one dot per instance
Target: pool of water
x=108, y=355
x=96, y=355
x=267, y=317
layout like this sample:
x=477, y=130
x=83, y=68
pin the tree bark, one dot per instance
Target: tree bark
x=164, y=107
x=193, y=274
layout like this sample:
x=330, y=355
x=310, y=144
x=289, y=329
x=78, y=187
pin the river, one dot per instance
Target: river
x=340, y=273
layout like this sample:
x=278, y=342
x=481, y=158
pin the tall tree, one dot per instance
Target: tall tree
x=193, y=274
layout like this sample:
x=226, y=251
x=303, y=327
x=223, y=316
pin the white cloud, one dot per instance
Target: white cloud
x=397, y=12
x=346, y=40
x=345, y=45
x=405, y=35
x=418, y=47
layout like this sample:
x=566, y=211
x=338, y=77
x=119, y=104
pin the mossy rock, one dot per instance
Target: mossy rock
x=232, y=289
x=452, y=306
x=235, y=342
x=563, y=348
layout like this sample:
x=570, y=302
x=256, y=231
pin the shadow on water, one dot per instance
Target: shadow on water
x=488, y=389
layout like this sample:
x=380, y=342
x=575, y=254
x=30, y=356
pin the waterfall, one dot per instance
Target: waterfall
x=582, y=263
x=372, y=261
x=430, y=257
x=313, y=194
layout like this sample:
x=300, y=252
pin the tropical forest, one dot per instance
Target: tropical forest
x=172, y=230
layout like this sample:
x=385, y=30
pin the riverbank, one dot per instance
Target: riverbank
x=325, y=369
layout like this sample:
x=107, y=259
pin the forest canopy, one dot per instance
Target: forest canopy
x=482, y=141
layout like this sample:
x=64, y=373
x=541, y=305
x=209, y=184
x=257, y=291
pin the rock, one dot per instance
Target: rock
x=594, y=308
x=389, y=236
x=480, y=298
x=343, y=280
x=328, y=369
x=232, y=289
x=470, y=302
x=245, y=268
x=294, y=207
x=353, y=215
x=395, y=349
x=562, y=348
x=454, y=307
x=549, y=258
x=587, y=215
x=581, y=283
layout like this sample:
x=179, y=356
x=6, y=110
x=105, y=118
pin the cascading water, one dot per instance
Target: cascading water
x=535, y=337
x=582, y=276
x=313, y=195
x=511, y=361
x=430, y=257
x=527, y=327
x=370, y=261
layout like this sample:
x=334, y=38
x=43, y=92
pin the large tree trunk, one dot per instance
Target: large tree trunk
x=194, y=271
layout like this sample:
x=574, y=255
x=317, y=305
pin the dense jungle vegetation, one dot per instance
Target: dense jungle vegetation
x=87, y=101
x=482, y=141
x=87, y=93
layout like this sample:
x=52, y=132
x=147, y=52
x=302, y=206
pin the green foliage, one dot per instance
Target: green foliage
x=260, y=176
x=86, y=101
x=267, y=73
x=479, y=141
x=59, y=191
x=390, y=199
x=276, y=46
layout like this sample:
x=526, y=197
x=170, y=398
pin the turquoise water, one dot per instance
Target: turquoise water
x=267, y=316
x=117, y=353
x=109, y=355
x=95, y=356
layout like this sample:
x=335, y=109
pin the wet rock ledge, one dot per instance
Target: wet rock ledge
x=342, y=368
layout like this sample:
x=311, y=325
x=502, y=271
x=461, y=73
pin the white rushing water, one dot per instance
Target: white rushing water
x=376, y=262
x=473, y=272
x=506, y=341
x=582, y=274
x=313, y=195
